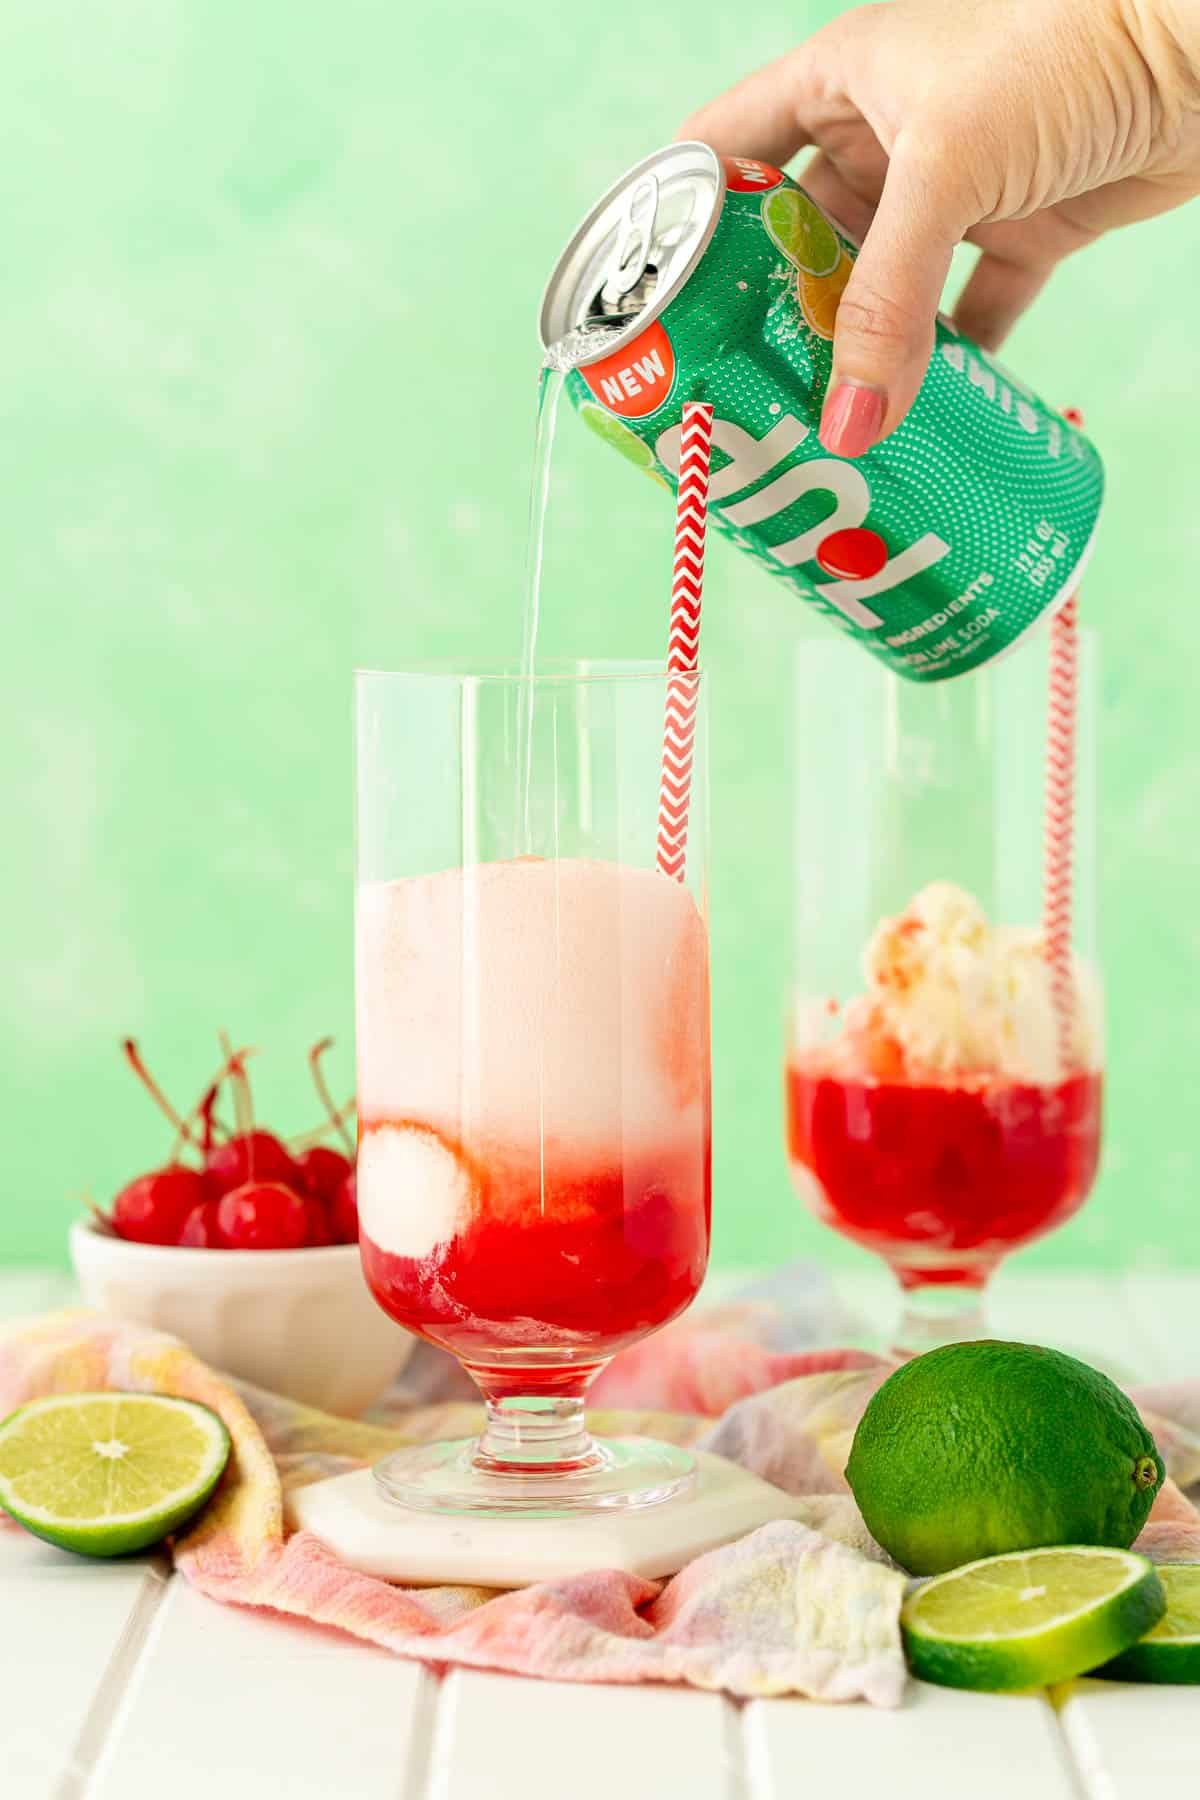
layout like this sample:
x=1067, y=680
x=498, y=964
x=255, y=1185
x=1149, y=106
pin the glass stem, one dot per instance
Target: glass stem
x=535, y=1432
x=936, y=1315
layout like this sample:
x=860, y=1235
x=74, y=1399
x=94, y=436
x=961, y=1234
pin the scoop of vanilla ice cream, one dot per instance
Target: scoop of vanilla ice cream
x=960, y=995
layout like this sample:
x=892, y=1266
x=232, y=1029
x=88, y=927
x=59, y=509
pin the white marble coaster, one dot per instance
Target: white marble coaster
x=349, y=1514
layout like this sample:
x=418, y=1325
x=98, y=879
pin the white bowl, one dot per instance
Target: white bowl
x=300, y=1322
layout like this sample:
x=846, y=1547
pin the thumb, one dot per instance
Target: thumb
x=884, y=331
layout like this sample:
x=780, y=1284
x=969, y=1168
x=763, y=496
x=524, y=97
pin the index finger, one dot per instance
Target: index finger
x=760, y=117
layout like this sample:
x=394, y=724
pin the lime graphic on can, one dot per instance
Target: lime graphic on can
x=613, y=431
x=801, y=231
x=718, y=279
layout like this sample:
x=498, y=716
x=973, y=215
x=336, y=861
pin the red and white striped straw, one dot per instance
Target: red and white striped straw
x=1058, y=826
x=1058, y=840
x=683, y=644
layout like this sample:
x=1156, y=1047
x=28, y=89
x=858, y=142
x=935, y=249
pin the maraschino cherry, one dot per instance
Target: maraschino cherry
x=250, y=1191
x=249, y=1156
x=262, y=1215
x=152, y=1209
x=201, y=1229
x=321, y=1171
x=345, y=1211
x=327, y=1175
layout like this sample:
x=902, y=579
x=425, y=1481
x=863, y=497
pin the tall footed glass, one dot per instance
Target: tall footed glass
x=942, y=1109
x=533, y=1062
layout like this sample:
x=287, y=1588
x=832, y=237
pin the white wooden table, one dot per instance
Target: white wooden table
x=121, y=1683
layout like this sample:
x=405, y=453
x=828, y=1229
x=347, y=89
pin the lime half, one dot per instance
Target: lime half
x=801, y=231
x=1171, y=1650
x=1031, y=1617
x=105, y=1474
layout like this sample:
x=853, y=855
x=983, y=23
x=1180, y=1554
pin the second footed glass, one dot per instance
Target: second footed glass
x=940, y=1110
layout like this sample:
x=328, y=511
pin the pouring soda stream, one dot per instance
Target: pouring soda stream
x=558, y=360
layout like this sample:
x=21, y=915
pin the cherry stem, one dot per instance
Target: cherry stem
x=243, y=1104
x=134, y=1058
x=307, y=1139
x=323, y=1094
x=204, y=1114
x=205, y=1110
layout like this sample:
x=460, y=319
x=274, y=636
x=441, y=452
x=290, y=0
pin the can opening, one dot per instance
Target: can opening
x=625, y=306
x=634, y=251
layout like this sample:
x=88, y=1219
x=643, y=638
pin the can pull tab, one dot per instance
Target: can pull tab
x=632, y=249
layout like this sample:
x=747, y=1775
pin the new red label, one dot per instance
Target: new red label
x=635, y=380
x=745, y=175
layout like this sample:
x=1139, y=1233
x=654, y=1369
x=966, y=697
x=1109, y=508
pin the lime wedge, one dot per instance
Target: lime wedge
x=1030, y=1618
x=801, y=231
x=1171, y=1650
x=105, y=1474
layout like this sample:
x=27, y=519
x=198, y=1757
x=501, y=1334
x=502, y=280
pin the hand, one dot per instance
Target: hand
x=1027, y=127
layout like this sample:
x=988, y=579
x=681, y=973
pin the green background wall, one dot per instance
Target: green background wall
x=267, y=317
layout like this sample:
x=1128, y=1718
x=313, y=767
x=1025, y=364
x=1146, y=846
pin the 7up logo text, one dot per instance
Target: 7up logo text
x=857, y=558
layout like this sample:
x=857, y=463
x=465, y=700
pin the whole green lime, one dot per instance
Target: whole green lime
x=981, y=1448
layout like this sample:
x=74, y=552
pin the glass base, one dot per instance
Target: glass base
x=604, y=1474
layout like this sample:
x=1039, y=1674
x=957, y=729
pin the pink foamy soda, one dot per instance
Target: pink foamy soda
x=534, y=1167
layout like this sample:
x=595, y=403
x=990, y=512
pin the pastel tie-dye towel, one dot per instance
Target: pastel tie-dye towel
x=806, y=1607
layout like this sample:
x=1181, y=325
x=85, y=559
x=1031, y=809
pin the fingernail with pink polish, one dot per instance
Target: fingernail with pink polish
x=852, y=418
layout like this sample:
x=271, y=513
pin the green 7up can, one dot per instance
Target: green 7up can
x=699, y=277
